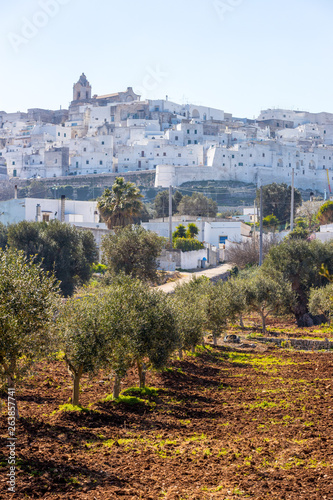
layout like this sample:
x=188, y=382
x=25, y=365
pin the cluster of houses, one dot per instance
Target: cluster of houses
x=217, y=234
x=182, y=142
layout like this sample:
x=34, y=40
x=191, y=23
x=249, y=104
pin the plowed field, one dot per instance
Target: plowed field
x=225, y=423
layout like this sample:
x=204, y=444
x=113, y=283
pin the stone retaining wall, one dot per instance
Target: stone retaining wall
x=302, y=344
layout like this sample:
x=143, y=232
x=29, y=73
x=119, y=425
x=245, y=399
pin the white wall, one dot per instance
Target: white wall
x=20, y=209
x=189, y=260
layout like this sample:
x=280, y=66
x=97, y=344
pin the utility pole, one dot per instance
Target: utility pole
x=254, y=223
x=261, y=229
x=170, y=215
x=292, y=200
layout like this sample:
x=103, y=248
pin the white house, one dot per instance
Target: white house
x=78, y=213
x=213, y=231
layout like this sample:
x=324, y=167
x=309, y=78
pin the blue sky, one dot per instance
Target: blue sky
x=238, y=55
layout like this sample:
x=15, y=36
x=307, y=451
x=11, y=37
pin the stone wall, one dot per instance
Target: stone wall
x=301, y=344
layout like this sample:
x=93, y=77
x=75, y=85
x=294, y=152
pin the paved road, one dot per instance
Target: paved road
x=210, y=273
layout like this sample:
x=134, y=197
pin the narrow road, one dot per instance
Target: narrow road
x=209, y=273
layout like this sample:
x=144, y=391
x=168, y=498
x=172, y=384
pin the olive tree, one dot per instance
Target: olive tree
x=155, y=336
x=217, y=309
x=235, y=298
x=266, y=295
x=82, y=327
x=189, y=306
x=141, y=329
x=299, y=262
x=29, y=298
x=133, y=251
x=320, y=301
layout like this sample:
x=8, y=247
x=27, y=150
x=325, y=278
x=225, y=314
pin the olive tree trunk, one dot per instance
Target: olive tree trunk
x=263, y=318
x=76, y=376
x=142, y=374
x=116, y=386
x=180, y=353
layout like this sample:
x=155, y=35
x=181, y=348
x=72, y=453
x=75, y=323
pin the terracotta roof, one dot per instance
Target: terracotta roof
x=108, y=95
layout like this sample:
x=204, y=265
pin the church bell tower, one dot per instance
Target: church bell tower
x=82, y=89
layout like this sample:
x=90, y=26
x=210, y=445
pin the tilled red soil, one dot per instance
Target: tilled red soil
x=225, y=425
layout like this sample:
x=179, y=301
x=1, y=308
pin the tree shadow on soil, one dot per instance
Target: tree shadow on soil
x=45, y=475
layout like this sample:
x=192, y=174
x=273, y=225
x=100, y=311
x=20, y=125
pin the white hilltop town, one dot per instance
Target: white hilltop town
x=117, y=133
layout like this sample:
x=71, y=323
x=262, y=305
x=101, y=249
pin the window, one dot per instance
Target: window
x=179, y=155
x=101, y=163
x=176, y=138
x=240, y=164
x=65, y=135
x=196, y=132
x=195, y=142
x=56, y=160
x=84, y=149
x=189, y=142
x=87, y=162
x=263, y=155
x=223, y=239
x=188, y=131
x=13, y=162
x=102, y=143
x=164, y=154
x=77, y=164
x=58, y=134
x=46, y=217
x=233, y=156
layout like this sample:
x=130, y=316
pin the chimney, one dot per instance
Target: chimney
x=38, y=213
x=15, y=191
x=62, y=209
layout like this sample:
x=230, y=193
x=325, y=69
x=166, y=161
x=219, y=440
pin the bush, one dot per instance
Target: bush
x=187, y=244
x=133, y=251
x=99, y=268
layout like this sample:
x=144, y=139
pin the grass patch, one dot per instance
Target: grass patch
x=197, y=437
x=268, y=404
x=257, y=362
x=136, y=391
x=70, y=408
x=127, y=400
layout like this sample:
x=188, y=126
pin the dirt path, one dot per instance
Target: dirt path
x=210, y=273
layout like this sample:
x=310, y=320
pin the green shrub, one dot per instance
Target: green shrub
x=187, y=244
x=99, y=268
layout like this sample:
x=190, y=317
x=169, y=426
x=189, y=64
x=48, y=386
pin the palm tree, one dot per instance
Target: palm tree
x=121, y=204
